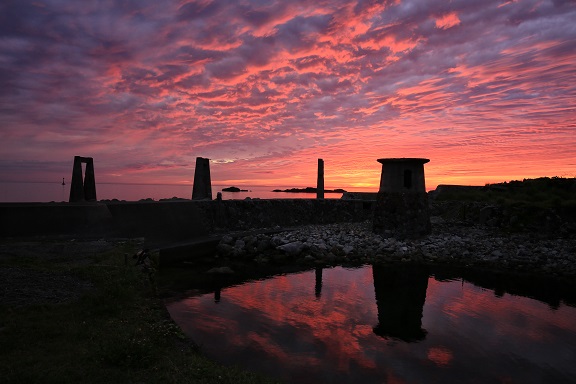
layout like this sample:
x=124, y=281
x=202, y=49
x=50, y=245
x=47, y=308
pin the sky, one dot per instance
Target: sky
x=484, y=89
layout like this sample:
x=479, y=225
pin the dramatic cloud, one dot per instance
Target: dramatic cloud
x=485, y=90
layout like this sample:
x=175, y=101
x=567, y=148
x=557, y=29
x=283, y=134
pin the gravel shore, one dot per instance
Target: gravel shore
x=470, y=246
x=454, y=244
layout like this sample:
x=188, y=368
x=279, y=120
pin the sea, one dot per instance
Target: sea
x=43, y=192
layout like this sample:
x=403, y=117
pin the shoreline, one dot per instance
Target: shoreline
x=449, y=244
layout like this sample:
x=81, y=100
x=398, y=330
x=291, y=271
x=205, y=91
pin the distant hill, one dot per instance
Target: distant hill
x=542, y=191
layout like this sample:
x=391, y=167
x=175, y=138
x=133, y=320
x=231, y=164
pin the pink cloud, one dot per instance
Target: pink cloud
x=448, y=20
x=275, y=84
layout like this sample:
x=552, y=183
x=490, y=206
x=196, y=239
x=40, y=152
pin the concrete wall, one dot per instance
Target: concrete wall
x=171, y=220
x=54, y=219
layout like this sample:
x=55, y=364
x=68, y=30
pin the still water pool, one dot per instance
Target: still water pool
x=387, y=325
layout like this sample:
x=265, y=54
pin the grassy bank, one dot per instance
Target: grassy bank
x=114, y=330
x=543, y=192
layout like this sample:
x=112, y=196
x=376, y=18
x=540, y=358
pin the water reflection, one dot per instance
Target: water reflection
x=318, y=285
x=400, y=297
x=378, y=324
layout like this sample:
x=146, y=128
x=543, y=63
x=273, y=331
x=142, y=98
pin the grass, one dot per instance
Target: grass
x=543, y=192
x=119, y=331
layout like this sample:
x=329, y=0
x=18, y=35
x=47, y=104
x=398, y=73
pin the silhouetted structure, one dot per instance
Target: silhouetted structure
x=402, y=202
x=320, y=183
x=83, y=189
x=202, y=188
x=400, y=297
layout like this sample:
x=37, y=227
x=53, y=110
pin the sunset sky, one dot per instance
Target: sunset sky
x=485, y=89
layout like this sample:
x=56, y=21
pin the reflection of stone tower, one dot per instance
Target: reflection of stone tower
x=400, y=297
x=202, y=188
x=82, y=189
x=402, y=203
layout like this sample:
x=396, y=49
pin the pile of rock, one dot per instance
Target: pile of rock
x=355, y=243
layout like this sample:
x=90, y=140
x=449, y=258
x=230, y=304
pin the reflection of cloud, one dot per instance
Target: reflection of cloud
x=181, y=79
x=440, y=356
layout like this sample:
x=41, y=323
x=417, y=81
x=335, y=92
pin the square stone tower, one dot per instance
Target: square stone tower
x=402, y=202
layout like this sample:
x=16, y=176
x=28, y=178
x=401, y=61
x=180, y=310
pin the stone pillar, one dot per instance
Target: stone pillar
x=320, y=183
x=402, y=202
x=202, y=188
x=89, y=181
x=83, y=189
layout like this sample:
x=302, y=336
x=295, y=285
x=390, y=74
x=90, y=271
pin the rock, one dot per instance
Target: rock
x=249, y=240
x=220, y=271
x=224, y=249
x=226, y=239
x=347, y=249
x=263, y=244
x=292, y=249
x=277, y=241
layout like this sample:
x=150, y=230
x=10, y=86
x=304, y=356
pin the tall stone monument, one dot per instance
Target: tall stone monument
x=402, y=202
x=202, y=188
x=82, y=188
x=320, y=182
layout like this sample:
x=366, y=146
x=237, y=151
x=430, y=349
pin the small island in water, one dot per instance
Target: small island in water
x=234, y=189
x=309, y=190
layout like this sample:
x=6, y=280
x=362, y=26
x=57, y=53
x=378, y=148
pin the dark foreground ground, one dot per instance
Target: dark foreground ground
x=74, y=312
x=81, y=311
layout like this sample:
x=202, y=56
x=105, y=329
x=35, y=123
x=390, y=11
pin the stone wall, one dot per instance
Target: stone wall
x=192, y=219
x=519, y=217
x=172, y=220
x=402, y=215
x=54, y=219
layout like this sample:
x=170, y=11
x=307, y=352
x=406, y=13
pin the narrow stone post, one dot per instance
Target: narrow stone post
x=202, y=188
x=89, y=181
x=402, y=202
x=320, y=182
x=77, y=184
x=82, y=189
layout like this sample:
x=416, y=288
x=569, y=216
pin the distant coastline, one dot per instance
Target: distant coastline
x=309, y=190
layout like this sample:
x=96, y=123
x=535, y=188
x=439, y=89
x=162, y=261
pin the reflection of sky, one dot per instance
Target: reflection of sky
x=473, y=336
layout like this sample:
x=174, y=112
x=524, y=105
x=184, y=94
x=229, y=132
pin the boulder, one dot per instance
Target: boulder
x=220, y=271
x=293, y=248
